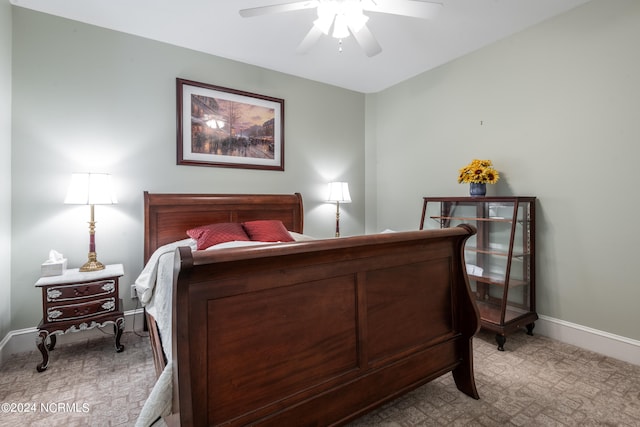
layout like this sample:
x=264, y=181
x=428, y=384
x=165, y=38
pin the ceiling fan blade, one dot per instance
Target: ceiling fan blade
x=310, y=39
x=367, y=41
x=278, y=8
x=413, y=8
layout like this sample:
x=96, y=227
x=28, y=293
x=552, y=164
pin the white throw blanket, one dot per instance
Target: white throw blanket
x=158, y=404
x=146, y=281
x=154, y=288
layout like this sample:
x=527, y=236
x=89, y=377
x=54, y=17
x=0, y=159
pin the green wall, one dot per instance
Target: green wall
x=556, y=107
x=5, y=167
x=91, y=99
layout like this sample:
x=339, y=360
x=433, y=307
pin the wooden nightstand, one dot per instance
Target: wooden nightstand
x=78, y=301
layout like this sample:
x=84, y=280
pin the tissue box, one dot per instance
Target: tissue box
x=53, y=268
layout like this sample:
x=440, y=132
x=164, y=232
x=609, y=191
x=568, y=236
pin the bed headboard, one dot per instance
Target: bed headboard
x=167, y=217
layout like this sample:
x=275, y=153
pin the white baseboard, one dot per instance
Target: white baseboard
x=24, y=340
x=601, y=342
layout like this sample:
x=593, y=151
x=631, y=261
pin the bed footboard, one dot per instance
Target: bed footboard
x=318, y=333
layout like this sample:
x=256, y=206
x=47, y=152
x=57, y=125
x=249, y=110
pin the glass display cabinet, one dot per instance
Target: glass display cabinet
x=500, y=258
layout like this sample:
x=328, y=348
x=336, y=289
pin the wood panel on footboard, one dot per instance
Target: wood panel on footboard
x=319, y=333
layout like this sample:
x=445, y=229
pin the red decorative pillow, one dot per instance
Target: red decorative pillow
x=267, y=231
x=212, y=234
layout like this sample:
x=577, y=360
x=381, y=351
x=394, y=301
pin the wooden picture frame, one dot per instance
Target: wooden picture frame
x=230, y=128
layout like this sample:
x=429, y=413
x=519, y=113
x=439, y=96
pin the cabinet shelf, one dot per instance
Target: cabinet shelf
x=495, y=252
x=500, y=258
x=497, y=280
x=469, y=219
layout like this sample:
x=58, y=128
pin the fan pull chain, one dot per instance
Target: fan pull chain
x=340, y=45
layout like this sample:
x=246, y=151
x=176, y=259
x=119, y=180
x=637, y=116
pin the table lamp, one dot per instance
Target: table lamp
x=338, y=193
x=91, y=189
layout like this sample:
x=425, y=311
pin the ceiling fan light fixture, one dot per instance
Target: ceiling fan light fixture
x=326, y=11
x=340, y=28
x=344, y=18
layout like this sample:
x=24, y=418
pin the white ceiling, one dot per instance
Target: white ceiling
x=410, y=45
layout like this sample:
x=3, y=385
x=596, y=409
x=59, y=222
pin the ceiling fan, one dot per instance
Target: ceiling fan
x=342, y=18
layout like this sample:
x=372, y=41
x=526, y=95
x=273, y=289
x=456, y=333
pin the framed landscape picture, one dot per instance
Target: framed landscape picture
x=228, y=128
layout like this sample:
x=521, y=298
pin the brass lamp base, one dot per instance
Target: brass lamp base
x=93, y=264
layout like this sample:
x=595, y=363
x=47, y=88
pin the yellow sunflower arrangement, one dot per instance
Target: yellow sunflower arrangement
x=478, y=172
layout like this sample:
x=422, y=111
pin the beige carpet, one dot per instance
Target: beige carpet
x=535, y=382
x=102, y=387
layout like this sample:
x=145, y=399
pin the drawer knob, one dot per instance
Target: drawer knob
x=79, y=292
x=80, y=311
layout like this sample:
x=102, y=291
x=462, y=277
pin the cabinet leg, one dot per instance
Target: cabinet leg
x=530, y=328
x=118, y=327
x=501, y=339
x=41, y=343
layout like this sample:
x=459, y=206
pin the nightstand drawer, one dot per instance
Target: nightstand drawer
x=78, y=291
x=60, y=313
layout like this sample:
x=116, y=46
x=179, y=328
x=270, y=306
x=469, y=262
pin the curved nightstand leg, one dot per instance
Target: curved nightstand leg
x=41, y=341
x=118, y=327
x=530, y=328
x=501, y=339
x=52, y=342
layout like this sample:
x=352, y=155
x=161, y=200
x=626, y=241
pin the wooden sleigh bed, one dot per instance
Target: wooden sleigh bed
x=312, y=333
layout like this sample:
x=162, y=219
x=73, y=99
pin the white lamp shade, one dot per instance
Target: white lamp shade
x=339, y=192
x=90, y=189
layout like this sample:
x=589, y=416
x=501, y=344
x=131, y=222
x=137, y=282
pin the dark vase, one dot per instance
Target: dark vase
x=477, y=190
